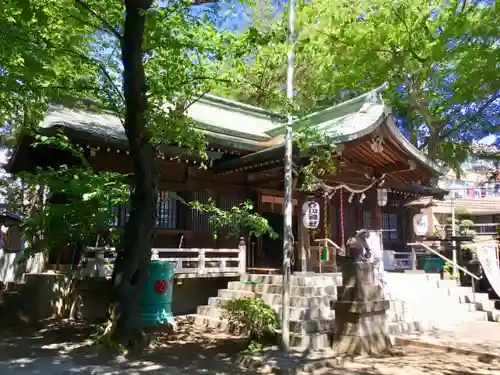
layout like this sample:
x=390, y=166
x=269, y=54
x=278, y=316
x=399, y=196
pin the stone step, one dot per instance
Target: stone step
x=298, y=341
x=447, y=283
x=311, y=342
x=402, y=316
x=322, y=341
x=336, y=276
x=460, y=294
x=464, y=293
x=300, y=326
x=425, y=302
x=295, y=290
x=230, y=294
x=488, y=304
x=447, y=320
x=308, y=302
x=295, y=312
x=447, y=313
x=395, y=288
x=468, y=297
x=304, y=341
x=432, y=305
x=404, y=276
x=427, y=319
x=492, y=308
x=294, y=280
x=274, y=300
x=493, y=315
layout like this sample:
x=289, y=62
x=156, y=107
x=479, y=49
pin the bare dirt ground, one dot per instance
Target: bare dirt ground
x=64, y=349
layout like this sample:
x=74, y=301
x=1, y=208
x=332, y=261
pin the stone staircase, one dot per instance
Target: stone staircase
x=434, y=299
x=418, y=302
x=311, y=316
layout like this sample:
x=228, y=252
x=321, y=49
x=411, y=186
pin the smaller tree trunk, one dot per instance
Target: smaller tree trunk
x=433, y=144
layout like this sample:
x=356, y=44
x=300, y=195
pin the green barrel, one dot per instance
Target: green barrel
x=156, y=298
x=431, y=265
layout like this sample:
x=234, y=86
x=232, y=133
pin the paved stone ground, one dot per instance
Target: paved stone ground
x=476, y=336
x=66, y=350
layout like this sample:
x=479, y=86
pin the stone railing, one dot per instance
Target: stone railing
x=480, y=229
x=190, y=263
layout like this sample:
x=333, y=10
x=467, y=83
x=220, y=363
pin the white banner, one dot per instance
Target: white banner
x=377, y=255
x=488, y=256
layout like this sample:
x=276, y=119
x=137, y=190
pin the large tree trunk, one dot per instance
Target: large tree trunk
x=131, y=266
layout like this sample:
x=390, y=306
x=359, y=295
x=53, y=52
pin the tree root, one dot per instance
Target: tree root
x=109, y=336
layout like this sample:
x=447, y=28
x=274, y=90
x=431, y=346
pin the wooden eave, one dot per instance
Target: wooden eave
x=351, y=125
x=395, y=159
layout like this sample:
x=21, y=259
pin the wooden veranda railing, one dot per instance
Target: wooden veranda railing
x=190, y=262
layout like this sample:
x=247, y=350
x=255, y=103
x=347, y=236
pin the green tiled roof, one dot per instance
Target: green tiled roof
x=236, y=124
x=343, y=121
x=242, y=126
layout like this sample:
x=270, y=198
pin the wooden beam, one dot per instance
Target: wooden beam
x=347, y=179
x=356, y=167
x=264, y=175
x=393, y=168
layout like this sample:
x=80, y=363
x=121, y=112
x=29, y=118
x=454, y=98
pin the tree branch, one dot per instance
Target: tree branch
x=410, y=40
x=481, y=109
x=7, y=87
x=381, y=50
x=83, y=22
x=89, y=59
x=105, y=23
x=197, y=79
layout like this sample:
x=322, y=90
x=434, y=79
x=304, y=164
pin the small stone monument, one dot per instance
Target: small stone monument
x=361, y=323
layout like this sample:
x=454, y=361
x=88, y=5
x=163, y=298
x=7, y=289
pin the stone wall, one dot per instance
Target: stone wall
x=13, y=265
x=50, y=295
x=188, y=294
x=191, y=293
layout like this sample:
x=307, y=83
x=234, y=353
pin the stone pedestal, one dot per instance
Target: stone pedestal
x=361, y=322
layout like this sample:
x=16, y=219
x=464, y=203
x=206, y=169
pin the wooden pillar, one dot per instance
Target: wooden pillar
x=359, y=216
x=376, y=214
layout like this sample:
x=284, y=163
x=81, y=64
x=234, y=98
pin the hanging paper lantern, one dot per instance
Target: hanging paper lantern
x=161, y=286
x=382, y=197
x=310, y=214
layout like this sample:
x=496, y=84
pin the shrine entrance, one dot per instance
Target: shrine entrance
x=268, y=255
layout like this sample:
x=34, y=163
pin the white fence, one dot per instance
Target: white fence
x=190, y=262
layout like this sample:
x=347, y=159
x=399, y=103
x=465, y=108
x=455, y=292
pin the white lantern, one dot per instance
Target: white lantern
x=421, y=224
x=310, y=214
x=381, y=197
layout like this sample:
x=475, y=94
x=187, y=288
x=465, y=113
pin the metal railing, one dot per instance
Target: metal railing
x=455, y=264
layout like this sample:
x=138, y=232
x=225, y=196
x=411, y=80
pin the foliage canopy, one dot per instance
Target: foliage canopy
x=439, y=58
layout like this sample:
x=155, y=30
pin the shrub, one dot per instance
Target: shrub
x=253, y=318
